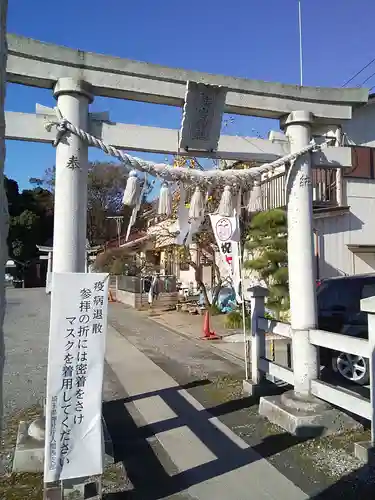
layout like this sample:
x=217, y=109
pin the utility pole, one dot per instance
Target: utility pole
x=4, y=221
x=118, y=219
x=300, y=42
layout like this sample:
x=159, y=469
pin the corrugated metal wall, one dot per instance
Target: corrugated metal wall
x=332, y=235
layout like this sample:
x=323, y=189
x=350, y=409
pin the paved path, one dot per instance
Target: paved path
x=208, y=460
x=231, y=346
x=166, y=348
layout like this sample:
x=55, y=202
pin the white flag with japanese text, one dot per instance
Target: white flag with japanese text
x=227, y=235
x=73, y=444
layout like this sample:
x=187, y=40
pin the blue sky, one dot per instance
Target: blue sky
x=248, y=38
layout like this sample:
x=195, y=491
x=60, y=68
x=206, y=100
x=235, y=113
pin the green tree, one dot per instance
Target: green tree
x=22, y=237
x=40, y=202
x=267, y=242
x=30, y=224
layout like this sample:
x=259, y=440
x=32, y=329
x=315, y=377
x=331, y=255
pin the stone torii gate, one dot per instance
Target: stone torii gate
x=77, y=77
x=47, y=253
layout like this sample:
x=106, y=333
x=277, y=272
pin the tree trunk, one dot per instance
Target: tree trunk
x=198, y=278
x=4, y=222
x=204, y=291
x=218, y=284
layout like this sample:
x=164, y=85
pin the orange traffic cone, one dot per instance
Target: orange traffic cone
x=206, y=326
x=207, y=334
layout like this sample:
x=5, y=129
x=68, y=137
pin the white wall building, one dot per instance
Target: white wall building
x=346, y=236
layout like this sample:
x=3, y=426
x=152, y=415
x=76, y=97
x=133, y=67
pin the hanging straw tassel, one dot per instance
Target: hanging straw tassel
x=255, y=198
x=165, y=200
x=226, y=203
x=137, y=206
x=132, y=190
x=196, y=209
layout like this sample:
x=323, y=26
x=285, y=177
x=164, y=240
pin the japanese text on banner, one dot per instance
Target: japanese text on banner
x=227, y=235
x=75, y=376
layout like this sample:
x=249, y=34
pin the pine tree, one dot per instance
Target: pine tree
x=267, y=242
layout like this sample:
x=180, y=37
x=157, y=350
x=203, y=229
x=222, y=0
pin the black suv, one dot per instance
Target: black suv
x=339, y=312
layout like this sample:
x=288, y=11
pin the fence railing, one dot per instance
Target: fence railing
x=273, y=192
x=324, y=186
x=267, y=366
x=336, y=396
x=340, y=397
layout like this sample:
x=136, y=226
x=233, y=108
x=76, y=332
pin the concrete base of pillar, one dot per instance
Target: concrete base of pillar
x=365, y=451
x=76, y=488
x=29, y=452
x=305, y=418
x=265, y=388
x=52, y=492
x=82, y=490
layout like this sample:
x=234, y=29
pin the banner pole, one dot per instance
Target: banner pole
x=246, y=342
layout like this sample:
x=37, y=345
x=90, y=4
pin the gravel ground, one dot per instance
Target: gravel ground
x=30, y=486
x=26, y=342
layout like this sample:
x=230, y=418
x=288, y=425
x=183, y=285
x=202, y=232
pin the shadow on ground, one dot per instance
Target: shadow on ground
x=359, y=484
x=132, y=444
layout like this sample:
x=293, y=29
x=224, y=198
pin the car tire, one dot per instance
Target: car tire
x=354, y=369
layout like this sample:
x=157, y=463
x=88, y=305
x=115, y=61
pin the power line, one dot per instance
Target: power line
x=358, y=73
x=366, y=80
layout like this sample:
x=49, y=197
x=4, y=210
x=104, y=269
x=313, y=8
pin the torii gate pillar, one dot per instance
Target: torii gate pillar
x=302, y=287
x=297, y=411
x=70, y=216
x=69, y=239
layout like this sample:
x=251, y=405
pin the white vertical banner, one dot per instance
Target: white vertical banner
x=78, y=324
x=227, y=235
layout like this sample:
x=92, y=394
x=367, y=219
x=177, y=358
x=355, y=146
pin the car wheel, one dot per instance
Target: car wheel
x=351, y=367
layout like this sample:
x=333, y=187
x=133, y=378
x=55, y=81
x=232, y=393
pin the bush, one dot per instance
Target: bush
x=269, y=316
x=233, y=320
x=214, y=310
x=267, y=242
